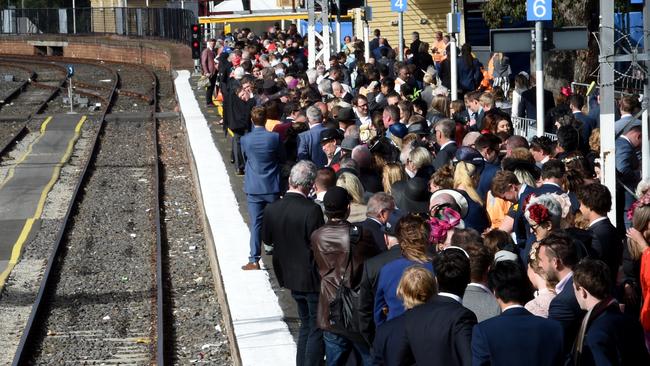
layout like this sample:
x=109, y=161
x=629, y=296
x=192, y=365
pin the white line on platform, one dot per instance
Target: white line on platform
x=262, y=335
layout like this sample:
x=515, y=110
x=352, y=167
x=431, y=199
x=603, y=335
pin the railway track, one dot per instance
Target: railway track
x=101, y=300
x=43, y=83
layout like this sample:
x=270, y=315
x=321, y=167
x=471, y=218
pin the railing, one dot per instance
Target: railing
x=527, y=128
x=167, y=23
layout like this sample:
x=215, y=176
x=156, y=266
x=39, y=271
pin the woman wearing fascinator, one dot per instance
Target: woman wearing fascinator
x=447, y=207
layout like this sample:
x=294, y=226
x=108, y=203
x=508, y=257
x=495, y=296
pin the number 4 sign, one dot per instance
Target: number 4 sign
x=398, y=5
x=537, y=10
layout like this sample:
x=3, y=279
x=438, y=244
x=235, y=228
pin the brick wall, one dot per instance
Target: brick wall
x=131, y=51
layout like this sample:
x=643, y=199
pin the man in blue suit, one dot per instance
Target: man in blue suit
x=309, y=147
x=557, y=257
x=606, y=337
x=263, y=153
x=516, y=337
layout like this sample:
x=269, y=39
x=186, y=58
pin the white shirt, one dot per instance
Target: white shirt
x=296, y=192
x=521, y=189
x=450, y=295
x=447, y=143
x=546, y=158
x=597, y=221
x=511, y=307
x=481, y=286
x=560, y=285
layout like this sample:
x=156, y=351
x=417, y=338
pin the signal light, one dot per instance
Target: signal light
x=196, y=44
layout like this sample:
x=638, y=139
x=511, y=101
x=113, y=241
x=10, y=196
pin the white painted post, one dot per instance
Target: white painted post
x=607, y=119
x=401, y=35
x=539, y=77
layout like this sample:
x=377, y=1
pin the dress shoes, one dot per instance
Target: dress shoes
x=251, y=266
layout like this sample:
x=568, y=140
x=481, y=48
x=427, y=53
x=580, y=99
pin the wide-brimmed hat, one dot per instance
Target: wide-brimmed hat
x=459, y=203
x=512, y=164
x=329, y=134
x=418, y=128
x=414, y=197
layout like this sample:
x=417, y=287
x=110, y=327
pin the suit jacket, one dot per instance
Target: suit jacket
x=263, y=152
x=370, y=180
x=485, y=180
x=445, y=155
x=483, y=304
x=528, y=104
x=588, y=125
x=627, y=163
x=607, y=245
x=368, y=288
x=287, y=226
x=614, y=339
x=440, y=332
x=390, y=347
x=517, y=337
x=565, y=309
x=309, y=147
x=207, y=62
x=376, y=232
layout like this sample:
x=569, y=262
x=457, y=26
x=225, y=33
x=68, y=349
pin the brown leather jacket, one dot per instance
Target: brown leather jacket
x=331, y=247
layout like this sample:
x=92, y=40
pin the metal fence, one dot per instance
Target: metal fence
x=528, y=128
x=167, y=23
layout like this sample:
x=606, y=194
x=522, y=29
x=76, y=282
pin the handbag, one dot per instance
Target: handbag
x=203, y=82
x=343, y=314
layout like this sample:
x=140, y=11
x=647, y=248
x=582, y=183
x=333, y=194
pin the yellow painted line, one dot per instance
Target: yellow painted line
x=10, y=173
x=27, y=228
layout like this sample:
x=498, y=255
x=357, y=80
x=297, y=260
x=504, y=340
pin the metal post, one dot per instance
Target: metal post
x=324, y=53
x=645, y=133
x=539, y=77
x=70, y=94
x=366, y=32
x=607, y=119
x=74, y=17
x=453, y=59
x=338, y=26
x=401, y=36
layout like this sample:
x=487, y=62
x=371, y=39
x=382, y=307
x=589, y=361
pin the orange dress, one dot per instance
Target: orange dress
x=645, y=289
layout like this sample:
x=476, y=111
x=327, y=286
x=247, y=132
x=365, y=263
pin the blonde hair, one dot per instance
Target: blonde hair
x=353, y=185
x=416, y=286
x=441, y=104
x=467, y=175
x=640, y=222
x=391, y=173
x=420, y=157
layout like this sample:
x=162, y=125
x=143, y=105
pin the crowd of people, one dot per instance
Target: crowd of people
x=415, y=227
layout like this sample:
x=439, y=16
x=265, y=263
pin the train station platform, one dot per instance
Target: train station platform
x=261, y=333
x=28, y=181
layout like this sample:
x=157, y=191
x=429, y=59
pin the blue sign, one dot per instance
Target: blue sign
x=70, y=69
x=537, y=10
x=636, y=1
x=398, y=5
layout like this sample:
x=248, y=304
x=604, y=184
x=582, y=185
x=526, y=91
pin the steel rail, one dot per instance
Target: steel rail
x=36, y=314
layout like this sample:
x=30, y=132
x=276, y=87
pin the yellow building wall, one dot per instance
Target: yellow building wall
x=433, y=11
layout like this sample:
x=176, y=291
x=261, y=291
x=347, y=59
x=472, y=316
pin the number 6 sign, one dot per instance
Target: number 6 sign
x=537, y=10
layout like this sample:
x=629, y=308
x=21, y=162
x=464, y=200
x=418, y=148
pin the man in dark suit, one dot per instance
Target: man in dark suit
x=557, y=257
x=309, y=147
x=488, y=145
x=380, y=205
x=445, y=131
x=287, y=226
x=606, y=336
x=263, y=153
x=440, y=331
x=576, y=102
x=606, y=244
x=516, y=337
x=628, y=171
x=528, y=105
x=475, y=111
x=370, y=276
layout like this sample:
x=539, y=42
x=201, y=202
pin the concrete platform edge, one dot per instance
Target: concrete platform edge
x=262, y=336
